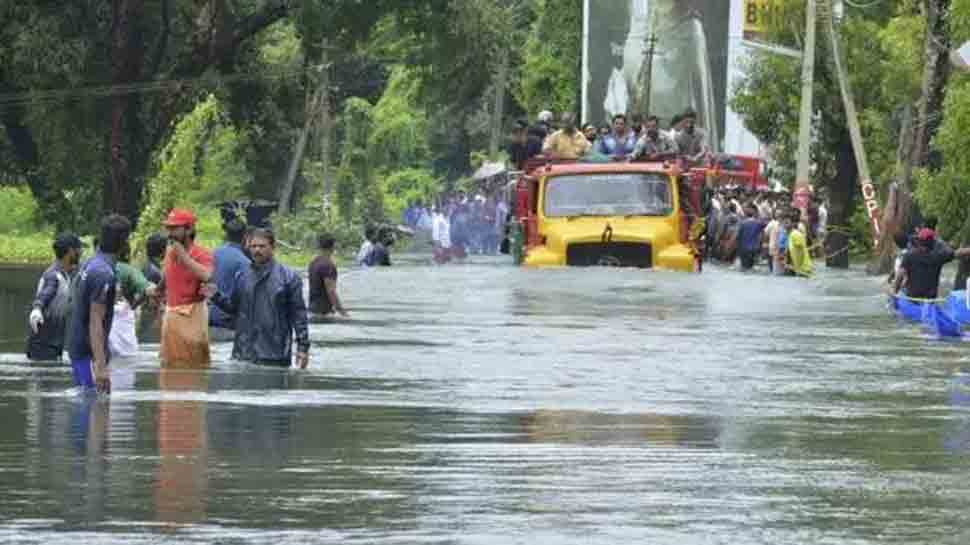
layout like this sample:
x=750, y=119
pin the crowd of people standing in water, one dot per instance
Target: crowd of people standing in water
x=239, y=292
x=459, y=224
x=751, y=227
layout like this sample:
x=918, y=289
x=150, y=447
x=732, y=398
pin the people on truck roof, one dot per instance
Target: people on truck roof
x=523, y=145
x=636, y=124
x=653, y=143
x=620, y=142
x=567, y=142
x=543, y=126
x=691, y=140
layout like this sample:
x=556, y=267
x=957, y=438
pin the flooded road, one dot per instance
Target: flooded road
x=486, y=404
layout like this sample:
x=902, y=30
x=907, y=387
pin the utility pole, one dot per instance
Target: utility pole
x=646, y=71
x=802, y=180
x=318, y=101
x=855, y=132
x=326, y=121
x=648, y=68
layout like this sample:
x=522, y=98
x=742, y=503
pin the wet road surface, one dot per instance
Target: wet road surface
x=481, y=403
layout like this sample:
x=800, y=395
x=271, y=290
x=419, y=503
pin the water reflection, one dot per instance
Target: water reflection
x=86, y=492
x=593, y=428
x=957, y=439
x=181, y=478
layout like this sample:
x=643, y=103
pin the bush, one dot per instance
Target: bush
x=20, y=211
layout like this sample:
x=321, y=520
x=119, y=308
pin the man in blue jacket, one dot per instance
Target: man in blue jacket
x=267, y=303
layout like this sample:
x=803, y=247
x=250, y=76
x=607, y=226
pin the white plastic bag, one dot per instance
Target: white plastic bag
x=122, y=341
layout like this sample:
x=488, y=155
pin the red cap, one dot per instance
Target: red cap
x=925, y=234
x=179, y=217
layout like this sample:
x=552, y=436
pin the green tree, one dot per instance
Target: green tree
x=882, y=76
x=354, y=175
x=199, y=167
x=945, y=192
x=549, y=76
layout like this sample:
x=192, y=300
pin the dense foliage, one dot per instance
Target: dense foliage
x=945, y=192
x=882, y=51
x=134, y=106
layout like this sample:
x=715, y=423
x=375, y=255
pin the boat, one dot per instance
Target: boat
x=932, y=314
x=958, y=306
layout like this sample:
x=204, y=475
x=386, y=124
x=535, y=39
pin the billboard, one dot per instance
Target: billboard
x=689, y=69
x=757, y=15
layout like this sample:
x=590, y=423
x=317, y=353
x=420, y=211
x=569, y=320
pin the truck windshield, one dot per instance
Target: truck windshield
x=611, y=194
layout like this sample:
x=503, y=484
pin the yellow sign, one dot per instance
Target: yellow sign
x=757, y=16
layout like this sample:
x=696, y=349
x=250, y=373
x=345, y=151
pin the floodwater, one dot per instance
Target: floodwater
x=485, y=404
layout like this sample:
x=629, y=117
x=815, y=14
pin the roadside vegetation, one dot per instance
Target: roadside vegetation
x=342, y=112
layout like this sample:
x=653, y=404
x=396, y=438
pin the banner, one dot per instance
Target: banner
x=757, y=15
x=689, y=41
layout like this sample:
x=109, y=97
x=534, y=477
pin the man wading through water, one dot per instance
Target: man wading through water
x=324, y=300
x=267, y=303
x=50, y=311
x=920, y=270
x=185, y=327
x=93, y=314
x=229, y=259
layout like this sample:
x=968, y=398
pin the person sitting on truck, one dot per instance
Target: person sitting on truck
x=691, y=140
x=618, y=143
x=568, y=142
x=523, y=146
x=543, y=126
x=653, y=144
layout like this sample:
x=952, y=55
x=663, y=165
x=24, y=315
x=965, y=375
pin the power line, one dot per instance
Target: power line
x=63, y=95
x=864, y=5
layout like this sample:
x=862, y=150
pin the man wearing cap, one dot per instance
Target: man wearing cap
x=52, y=303
x=568, y=142
x=922, y=265
x=185, y=328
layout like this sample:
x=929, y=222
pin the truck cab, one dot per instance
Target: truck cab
x=635, y=214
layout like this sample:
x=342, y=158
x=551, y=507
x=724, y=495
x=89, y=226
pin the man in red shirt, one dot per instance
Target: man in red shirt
x=185, y=328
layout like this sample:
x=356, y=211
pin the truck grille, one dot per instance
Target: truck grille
x=609, y=254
